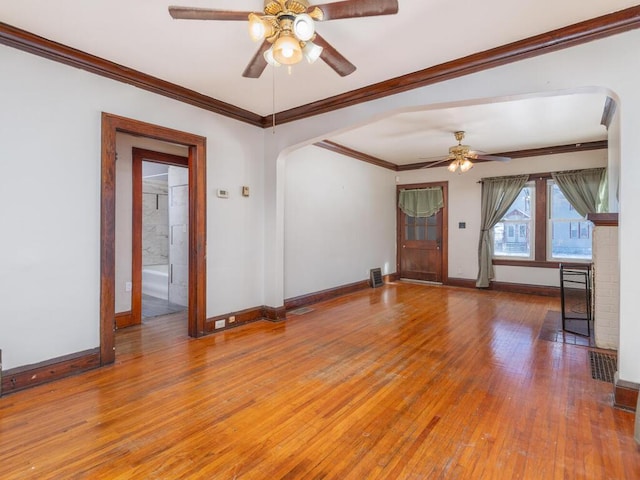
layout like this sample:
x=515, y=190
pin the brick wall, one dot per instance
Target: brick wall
x=606, y=289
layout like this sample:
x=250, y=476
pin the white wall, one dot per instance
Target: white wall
x=610, y=63
x=340, y=221
x=124, y=191
x=464, y=206
x=50, y=203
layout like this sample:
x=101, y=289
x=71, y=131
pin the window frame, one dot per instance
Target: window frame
x=540, y=226
x=516, y=230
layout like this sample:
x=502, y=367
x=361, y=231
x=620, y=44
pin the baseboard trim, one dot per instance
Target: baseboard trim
x=625, y=395
x=544, y=290
x=124, y=320
x=21, y=378
x=275, y=314
x=315, y=297
x=242, y=317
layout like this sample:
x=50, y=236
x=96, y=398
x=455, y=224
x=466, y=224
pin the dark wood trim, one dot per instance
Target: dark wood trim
x=445, y=224
x=275, y=314
x=543, y=290
x=27, y=376
x=625, y=395
x=29, y=42
x=160, y=157
x=349, y=152
x=603, y=219
x=315, y=297
x=136, y=236
x=525, y=263
x=241, y=318
x=565, y=37
x=608, y=112
x=138, y=155
x=530, y=152
x=111, y=124
x=125, y=319
x=461, y=282
x=556, y=149
x=540, y=238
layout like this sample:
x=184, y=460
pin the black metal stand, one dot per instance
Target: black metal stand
x=575, y=294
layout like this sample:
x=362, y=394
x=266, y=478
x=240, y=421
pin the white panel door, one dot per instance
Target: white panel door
x=179, y=235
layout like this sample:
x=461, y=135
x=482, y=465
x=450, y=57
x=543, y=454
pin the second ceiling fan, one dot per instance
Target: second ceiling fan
x=287, y=29
x=460, y=156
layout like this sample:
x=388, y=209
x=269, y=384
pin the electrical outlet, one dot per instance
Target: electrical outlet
x=232, y=318
x=220, y=323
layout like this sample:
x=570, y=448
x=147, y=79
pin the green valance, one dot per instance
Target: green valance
x=421, y=202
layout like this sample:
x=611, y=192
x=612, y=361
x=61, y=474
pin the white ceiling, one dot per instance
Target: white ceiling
x=210, y=56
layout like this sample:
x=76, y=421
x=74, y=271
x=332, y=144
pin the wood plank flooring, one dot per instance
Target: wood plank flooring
x=401, y=382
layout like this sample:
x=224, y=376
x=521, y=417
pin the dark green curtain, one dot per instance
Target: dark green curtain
x=498, y=194
x=421, y=202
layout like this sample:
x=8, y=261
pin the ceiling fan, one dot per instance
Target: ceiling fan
x=287, y=30
x=460, y=156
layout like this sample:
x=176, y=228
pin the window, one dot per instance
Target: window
x=512, y=234
x=541, y=226
x=570, y=233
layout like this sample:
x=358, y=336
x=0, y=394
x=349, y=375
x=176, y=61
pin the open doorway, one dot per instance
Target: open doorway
x=111, y=126
x=160, y=247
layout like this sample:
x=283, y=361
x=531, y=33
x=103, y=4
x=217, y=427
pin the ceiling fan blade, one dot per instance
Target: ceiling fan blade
x=257, y=64
x=493, y=158
x=333, y=58
x=356, y=8
x=433, y=164
x=192, y=13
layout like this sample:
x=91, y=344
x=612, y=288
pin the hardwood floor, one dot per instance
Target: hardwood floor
x=401, y=382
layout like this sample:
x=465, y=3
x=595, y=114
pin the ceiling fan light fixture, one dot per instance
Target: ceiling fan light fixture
x=286, y=49
x=258, y=28
x=303, y=27
x=466, y=165
x=311, y=51
x=268, y=56
x=453, y=166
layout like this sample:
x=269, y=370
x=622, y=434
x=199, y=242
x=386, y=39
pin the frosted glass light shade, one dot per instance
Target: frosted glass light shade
x=286, y=50
x=258, y=28
x=303, y=27
x=311, y=51
x=466, y=165
x=268, y=56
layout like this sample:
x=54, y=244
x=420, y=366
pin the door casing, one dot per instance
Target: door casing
x=111, y=125
x=444, y=249
x=138, y=156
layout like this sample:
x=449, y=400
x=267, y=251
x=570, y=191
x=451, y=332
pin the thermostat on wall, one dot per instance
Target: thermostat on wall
x=222, y=193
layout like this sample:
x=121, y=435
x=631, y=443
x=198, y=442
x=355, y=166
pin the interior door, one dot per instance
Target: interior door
x=179, y=235
x=420, y=255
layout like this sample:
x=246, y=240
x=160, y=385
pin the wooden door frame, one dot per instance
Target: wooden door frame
x=139, y=155
x=444, y=251
x=111, y=125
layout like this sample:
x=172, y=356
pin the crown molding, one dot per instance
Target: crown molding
x=28, y=42
x=349, y=152
x=572, y=35
x=565, y=37
x=531, y=152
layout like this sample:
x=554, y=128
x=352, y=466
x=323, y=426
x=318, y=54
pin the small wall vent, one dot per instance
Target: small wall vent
x=375, y=276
